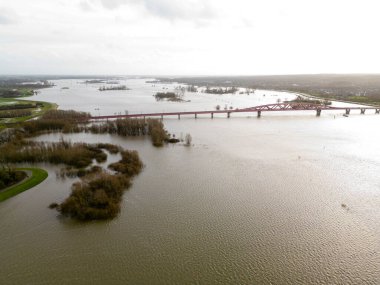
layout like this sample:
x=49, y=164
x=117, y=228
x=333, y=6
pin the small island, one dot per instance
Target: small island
x=221, y=91
x=113, y=88
x=169, y=96
x=93, y=81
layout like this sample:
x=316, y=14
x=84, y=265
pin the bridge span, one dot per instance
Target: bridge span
x=280, y=107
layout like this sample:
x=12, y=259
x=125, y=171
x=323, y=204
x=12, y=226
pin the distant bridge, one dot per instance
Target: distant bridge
x=287, y=106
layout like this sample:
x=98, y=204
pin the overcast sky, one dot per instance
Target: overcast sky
x=189, y=37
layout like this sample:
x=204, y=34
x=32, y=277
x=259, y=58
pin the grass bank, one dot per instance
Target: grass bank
x=38, y=175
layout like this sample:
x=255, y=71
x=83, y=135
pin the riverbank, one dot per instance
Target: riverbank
x=35, y=177
x=331, y=99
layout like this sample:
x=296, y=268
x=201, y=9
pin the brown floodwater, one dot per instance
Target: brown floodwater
x=252, y=201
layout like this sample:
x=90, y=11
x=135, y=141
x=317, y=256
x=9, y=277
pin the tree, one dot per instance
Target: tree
x=188, y=139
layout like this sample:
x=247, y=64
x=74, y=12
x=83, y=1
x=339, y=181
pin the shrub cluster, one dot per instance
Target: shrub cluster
x=157, y=132
x=165, y=95
x=133, y=127
x=96, y=199
x=74, y=122
x=73, y=154
x=57, y=120
x=220, y=90
x=129, y=165
x=100, y=197
x=113, y=88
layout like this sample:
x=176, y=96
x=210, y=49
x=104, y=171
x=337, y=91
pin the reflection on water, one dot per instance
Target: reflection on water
x=253, y=201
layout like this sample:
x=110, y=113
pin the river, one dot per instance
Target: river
x=252, y=201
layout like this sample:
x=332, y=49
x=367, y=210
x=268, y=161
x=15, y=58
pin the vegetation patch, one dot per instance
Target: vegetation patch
x=98, y=195
x=38, y=175
x=157, y=132
x=94, y=81
x=113, y=88
x=133, y=127
x=18, y=87
x=78, y=155
x=97, y=199
x=57, y=120
x=74, y=122
x=220, y=90
x=129, y=165
x=169, y=96
x=300, y=99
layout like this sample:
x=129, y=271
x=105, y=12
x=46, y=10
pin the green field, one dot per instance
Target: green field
x=38, y=175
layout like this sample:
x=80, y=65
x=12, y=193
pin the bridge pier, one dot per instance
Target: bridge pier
x=377, y=111
x=212, y=115
x=162, y=117
x=179, y=117
x=258, y=114
x=319, y=111
x=195, y=115
x=362, y=111
x=348, y=111
x=228, y=114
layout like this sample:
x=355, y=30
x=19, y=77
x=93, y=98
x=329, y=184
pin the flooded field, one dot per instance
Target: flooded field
x=289, y=198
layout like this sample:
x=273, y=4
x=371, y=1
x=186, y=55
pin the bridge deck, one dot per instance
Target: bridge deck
x=258, y=109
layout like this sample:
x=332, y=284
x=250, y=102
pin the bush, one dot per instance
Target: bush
x=157, y=132
x=97, y=199
x=129, y=165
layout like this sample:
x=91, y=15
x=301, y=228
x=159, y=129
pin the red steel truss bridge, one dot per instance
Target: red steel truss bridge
x=280, y=107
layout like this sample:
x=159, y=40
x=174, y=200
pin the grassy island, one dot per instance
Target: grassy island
x=37, y=175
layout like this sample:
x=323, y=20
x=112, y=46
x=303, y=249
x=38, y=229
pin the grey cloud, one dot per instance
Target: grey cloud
x=169, y=9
